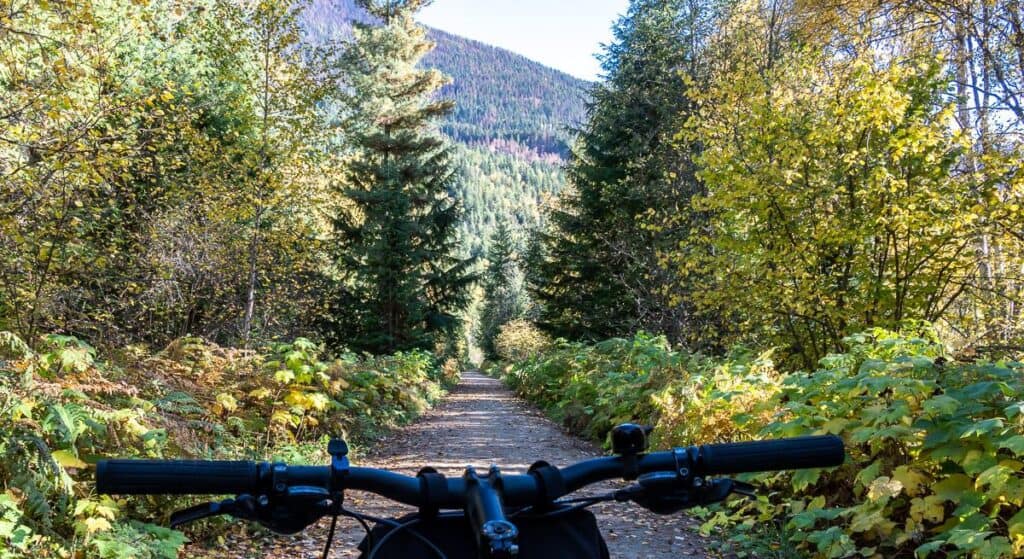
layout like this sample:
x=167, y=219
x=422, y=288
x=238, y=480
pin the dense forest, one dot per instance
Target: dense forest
x=512, y=119
x=507, y=189
x=231, y=229
x=786, y=173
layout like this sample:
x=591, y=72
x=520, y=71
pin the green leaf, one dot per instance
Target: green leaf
x=983, y=427
x=805, y=478
x=953, y=487
x=926, y=550
x=832, y=543
x=1014, y=444
x=1013, y=410
x=940, y=405
x=997, y=547
x=1015, y=526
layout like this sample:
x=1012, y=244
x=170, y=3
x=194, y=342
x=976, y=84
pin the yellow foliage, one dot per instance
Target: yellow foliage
x=519, y=340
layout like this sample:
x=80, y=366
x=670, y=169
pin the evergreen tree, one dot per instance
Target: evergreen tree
x=396, y=245
x=601, y=276
x=504, y=299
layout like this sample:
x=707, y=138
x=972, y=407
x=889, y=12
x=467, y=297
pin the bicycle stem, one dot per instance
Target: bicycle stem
x=496, y=537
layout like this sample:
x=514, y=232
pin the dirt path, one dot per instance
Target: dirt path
x=481, y=423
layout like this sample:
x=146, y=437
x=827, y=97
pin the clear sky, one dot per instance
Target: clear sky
x=563, y=34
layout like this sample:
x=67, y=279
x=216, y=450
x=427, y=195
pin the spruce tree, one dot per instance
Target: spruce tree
x=599, y=275
x=396, y=245
x=504, y=299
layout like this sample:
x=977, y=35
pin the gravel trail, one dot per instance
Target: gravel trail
x=480, y=423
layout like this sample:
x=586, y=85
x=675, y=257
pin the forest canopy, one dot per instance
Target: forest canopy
x=789, y=173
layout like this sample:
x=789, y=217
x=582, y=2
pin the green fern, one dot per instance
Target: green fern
x=12, y=347
x=179, y=403
x=66, y=421
x=46, y=488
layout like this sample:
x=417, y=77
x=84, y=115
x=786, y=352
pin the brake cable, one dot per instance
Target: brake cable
x=578, y=503
x=362, y=521
x=330, y=536
x=362, y=518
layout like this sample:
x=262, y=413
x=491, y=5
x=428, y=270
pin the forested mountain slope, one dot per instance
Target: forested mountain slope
x=504, y=96
x=512, y=116
x=501, y=95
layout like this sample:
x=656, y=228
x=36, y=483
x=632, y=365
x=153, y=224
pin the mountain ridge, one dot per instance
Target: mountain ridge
x=506, y=102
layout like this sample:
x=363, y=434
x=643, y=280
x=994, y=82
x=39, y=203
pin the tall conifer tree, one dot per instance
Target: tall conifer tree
x=600, y=274
x=504, y=299
x=397, y=246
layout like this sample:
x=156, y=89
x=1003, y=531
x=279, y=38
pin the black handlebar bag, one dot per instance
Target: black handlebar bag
x=564, y=535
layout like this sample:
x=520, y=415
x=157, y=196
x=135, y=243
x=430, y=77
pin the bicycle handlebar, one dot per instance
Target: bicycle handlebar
x=191, y=477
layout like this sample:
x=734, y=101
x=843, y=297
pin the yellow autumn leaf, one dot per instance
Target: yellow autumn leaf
x=260, y=394
x=226, y=403
x=282, y=417
x=95, y=524
x=105, y=511
x=911, y=479
x=296, y=398
x=319, y=401
x=930, y=509
x=67, y=459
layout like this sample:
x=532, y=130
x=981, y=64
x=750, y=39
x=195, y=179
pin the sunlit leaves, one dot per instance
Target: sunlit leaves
x=225, y=404
x=833, y=196
x=138, y=160
x=930, y=467
x=53, y=428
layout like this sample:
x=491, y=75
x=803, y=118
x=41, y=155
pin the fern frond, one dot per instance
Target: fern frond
x=13, y=347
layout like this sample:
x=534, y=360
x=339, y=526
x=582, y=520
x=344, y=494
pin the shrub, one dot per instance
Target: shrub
x=519, y=339
x=58, y=412
x=62, y=409
x=451, y=371
x=934, y=452
x=934, y=445
x=716, y=400
x=592, y=388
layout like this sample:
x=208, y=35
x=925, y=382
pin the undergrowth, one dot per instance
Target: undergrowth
x=935, y=446
x=62, y=409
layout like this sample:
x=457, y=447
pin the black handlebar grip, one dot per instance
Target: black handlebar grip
x=765, y=456
x=176, y=477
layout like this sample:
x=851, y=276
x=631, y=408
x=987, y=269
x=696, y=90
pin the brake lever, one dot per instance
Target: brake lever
x=242, y=507
x=290, y=513
x=668, y=493
x=192, y=514
x=745, y=489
